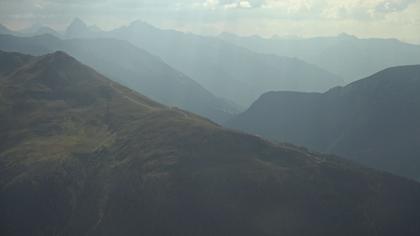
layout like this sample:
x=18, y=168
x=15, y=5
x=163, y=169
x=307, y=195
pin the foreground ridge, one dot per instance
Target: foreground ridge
x=81, y=155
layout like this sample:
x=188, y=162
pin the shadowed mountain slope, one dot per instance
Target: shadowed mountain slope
x=375, y=121
x=133, y=67
x=82, y=155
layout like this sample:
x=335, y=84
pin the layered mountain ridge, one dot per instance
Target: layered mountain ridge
x=345, y=55
x=82, y=155
x=228, y=71
x=132, y=67
x=374, y=121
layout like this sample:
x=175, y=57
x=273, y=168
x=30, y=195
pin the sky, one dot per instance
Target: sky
x=298, y=18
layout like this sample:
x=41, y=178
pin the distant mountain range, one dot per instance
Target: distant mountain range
x=79, y=29
x=82, y=155
x=226, y=70
x=5, y=30
x=34, y=30
x=345, y=55
x=375, y=121
x=132, y=67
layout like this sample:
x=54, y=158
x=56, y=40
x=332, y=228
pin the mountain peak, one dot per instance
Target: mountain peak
x=77, y=28
x=4, y=29
x=78, y=22
x=57, y=56
x=58, y=76
x=227, y=34
x=346, y=36
x=47, y=30
x=60, y=54
x=140, y=24
x=56, y=61
x=57, y=64
x=32, y=28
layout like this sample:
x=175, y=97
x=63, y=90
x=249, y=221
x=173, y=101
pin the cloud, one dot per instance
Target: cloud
x=393, y=5
x=329, y=9
x=232, y=4
x=363, y=9
x=356, y=9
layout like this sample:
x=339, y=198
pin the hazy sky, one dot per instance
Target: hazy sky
x=363, y=18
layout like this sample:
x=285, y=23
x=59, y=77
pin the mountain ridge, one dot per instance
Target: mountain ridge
x=373, y=121
x=345, y=55
x=84, y=155
x=133, y=67
x=225, y=69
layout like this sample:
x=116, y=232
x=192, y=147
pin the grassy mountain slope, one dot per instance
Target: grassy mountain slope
x=82, y=155
x=132, y=67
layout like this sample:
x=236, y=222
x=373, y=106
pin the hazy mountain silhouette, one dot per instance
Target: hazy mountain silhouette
x=132, y=67
x=344, y=55
x=79, y=29
x=228, y=71
x=37, y=29
x=5, y=30
x=82, y=155
x=45, y=30
x=34, y=30
x=375, y=121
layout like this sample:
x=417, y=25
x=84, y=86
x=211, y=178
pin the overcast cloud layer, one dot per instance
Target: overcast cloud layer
x=304, y=18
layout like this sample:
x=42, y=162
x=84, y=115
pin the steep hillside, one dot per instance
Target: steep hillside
x=82, y=155
x=133, y=67
x=375, y=121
